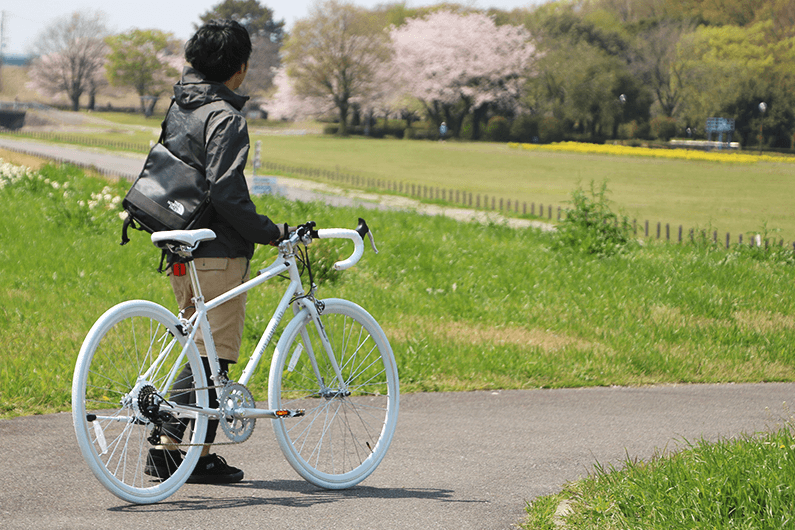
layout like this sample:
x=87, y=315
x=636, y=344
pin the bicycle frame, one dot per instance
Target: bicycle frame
x=285, y=262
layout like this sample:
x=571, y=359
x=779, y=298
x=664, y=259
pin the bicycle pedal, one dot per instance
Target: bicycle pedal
x=290, y=413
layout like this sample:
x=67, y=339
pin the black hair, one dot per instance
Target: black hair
x=218, y=49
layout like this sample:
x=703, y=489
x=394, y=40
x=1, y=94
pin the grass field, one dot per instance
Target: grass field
x=723, y=197
x=467, y=306
x=728, y=197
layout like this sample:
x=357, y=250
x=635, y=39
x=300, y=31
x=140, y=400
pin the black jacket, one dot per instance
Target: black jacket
x=206, y=129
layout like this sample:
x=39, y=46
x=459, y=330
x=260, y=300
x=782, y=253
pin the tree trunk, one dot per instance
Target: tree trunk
x=477, y=115
x=343, y=108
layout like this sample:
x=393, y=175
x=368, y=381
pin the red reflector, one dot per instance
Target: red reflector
x=179, y=269
x=282, y=413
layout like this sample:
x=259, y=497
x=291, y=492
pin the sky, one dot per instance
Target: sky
x=23, y=20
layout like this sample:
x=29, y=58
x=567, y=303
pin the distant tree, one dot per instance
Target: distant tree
x=285, y=104
x=720, y=12
x=655, y=62
x=729, y=70
x=267, y=38
x=460, y=64
x=588, y=62
x=71, y=53
x=145, y=60
x=334, y=54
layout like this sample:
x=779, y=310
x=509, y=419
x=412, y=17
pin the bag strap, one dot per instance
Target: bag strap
x=127, y=223
x=163, y=124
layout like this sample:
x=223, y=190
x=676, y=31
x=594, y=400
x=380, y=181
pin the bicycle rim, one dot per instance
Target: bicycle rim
x=131, y=359
x=348, y=425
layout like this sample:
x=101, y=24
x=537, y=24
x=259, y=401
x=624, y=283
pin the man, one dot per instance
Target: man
x=206, y=129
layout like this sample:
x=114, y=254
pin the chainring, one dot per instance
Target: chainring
x=235, y=396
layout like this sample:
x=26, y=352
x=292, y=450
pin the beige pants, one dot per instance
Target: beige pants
x=216, y=276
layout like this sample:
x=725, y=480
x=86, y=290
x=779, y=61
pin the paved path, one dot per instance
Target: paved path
x=463, y=461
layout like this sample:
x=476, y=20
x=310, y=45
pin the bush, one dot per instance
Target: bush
x=466, y=128
x=592, y=227
x=525, y=129
x=663, y=128
x=331, y=129
x=498, y=129
x=551, y=129
x=418, y=133
x=633, y=130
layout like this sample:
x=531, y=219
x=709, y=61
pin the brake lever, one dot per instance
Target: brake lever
x=363, y=229
x=372, y=240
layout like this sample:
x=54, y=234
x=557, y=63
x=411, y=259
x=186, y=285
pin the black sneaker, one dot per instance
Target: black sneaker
x=212, y=469
x=161, y=463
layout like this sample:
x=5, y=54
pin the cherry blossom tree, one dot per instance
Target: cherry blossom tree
x=286, y=104
x=71, y=57
x=456, y=64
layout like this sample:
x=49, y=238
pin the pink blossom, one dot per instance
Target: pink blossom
x=446, y=58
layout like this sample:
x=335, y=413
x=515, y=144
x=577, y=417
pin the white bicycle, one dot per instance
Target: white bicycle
x=333, y=389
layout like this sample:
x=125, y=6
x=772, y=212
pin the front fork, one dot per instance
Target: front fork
x=314, y=309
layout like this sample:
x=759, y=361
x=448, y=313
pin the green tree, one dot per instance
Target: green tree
x=729, y=70
x=584, y=71
x=267, y=38
x=655, y=62
x=145, y=60
x=335, y=54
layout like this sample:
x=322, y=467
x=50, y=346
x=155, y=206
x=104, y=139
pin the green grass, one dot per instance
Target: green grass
x=733, y=198
x=466, y=306
x=743, y=483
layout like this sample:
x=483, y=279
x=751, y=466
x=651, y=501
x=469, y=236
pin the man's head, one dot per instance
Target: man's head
x=219, y=49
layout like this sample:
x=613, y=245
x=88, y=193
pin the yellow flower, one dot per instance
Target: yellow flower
x=678, y=154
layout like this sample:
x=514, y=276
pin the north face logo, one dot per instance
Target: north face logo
x=176, y=207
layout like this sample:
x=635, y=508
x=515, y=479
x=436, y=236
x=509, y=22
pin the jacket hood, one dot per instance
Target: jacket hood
x=193, y=91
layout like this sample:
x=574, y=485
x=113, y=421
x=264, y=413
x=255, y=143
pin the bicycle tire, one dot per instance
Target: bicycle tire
x=112, y=391
x=347, y=428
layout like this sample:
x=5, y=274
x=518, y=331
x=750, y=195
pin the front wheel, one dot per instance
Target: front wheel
x=348, y=422
x=127, y=372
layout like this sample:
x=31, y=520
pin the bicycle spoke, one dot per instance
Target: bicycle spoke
x=126, y=367
x=347, y=424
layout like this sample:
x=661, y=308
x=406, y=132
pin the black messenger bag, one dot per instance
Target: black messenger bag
x=169, y=194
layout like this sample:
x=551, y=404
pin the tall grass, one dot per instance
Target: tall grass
x=740, y=483
x=466, y=306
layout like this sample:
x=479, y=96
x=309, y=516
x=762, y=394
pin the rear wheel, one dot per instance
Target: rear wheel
x=127, y=371
x=349, y=423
